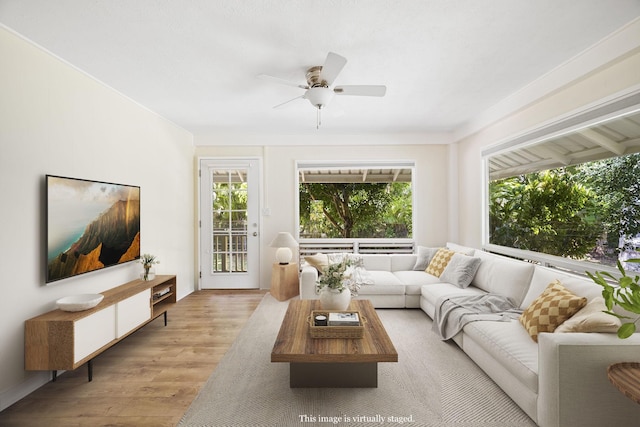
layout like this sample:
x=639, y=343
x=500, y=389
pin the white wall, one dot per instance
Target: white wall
x=280, y=192
x=617, y=78
x=56, y=120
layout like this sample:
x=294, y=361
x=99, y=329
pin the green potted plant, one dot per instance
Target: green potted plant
x=625, y=293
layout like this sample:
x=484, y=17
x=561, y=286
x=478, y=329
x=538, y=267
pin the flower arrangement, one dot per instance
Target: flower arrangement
x=147, y=260
x=337, y=277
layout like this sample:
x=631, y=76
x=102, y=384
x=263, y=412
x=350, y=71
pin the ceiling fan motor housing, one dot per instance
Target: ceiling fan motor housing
x=313, y=77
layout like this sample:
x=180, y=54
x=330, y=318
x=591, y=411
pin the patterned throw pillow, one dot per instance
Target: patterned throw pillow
x=439, y=261
x=555, y=305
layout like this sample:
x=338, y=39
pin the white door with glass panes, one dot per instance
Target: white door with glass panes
x=229, y=224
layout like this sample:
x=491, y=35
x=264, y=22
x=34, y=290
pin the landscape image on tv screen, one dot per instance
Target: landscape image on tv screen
x=90, y=225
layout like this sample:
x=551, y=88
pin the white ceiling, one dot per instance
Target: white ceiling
x=195, y=62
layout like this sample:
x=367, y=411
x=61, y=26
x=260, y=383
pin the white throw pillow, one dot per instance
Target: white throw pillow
x=424, y=257
x=591, y=319
x=460, y=270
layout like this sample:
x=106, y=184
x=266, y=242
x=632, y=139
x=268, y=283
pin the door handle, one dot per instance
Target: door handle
x=255, y=233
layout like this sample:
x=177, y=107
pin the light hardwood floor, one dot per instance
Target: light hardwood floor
x=151, y=377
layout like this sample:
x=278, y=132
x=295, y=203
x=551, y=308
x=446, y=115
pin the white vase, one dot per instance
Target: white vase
x=333, y=299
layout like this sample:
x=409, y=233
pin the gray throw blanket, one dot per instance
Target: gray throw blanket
x=453, y=313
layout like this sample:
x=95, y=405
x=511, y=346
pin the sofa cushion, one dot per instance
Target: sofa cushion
x=383, y=278
x=591, y=319
x=555, y=305
x=382, y=290
x=414, y=280
x=443, y=290
x=460, y=270
x=504, y=276
x=510, y=345
x=439, y=261
x=384, y=283
x=378, y=262
x=579, y=285
x=465, y=250
x=403, y=262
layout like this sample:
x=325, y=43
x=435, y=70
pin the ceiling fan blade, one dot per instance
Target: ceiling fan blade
x=286, y=102
x=332, y=67
x=281, y=81
x=361, y=90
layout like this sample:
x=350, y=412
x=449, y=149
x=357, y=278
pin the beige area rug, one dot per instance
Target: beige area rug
x=433, y=384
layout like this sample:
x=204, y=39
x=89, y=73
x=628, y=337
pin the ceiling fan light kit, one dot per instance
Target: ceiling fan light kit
x=320, y=89
x=319, y=96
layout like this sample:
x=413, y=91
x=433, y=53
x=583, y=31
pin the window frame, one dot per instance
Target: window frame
x=583, y=119
x=353, y=244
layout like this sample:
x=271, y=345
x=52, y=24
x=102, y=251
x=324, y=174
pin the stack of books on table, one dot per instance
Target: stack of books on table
x=344, y=319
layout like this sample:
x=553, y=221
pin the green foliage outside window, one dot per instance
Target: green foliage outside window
x=229, y=206
x=616, y=181
x=582, y=212
x=356, y=210
x=544, y=212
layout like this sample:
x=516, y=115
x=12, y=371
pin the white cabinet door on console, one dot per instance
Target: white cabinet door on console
x=133, y=312
x=93, y=332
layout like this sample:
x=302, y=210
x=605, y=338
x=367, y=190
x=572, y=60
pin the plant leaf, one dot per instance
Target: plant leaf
x=626, y=330
x=607, y=294
x=619, y=316
x=609, y=275
x=625, y=281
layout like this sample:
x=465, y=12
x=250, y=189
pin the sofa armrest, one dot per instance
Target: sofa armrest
x=308, y=278
x=573, y=388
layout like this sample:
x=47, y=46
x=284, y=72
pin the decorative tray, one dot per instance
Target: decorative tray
x=355, y=331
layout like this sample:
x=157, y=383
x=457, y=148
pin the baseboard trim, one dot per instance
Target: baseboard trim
x=25, y=388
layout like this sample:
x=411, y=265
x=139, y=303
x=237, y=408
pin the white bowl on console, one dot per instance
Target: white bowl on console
x=79, y=302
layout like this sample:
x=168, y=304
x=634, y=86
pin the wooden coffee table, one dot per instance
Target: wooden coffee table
x=332, y=362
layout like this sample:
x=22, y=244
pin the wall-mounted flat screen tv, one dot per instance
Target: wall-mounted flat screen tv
x=90, y=225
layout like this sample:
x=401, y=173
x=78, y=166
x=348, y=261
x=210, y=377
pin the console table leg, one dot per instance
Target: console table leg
x=165, y=318
x=55, y=376
x=90, y=369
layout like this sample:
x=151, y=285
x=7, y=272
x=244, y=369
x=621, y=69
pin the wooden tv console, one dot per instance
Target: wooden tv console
x=62, y=340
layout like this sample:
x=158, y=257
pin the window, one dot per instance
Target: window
x=355, y=200
x=229, y=211
x=574, y=195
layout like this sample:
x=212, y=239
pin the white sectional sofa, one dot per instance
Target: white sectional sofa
x=396, y=284
x=560, y=381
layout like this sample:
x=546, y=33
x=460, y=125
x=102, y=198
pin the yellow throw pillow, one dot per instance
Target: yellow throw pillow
x=555, y=305
x=319, y=261
x=439, y=262
x=591, y=319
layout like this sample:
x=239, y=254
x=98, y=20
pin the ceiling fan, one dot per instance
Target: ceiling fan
x=320, y=88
